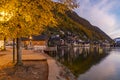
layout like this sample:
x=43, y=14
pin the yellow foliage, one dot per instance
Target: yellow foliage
x=27, y=17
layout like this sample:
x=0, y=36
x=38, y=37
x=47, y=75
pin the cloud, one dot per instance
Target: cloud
x=99, y=13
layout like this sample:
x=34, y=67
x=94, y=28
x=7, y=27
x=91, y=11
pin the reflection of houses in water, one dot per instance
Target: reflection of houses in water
x=100, y=50
x=87, y=49
x=70, y=54
x=85, y=52
x=75, y=49
x=80, y=59
x=81, y=43
x=80, y=50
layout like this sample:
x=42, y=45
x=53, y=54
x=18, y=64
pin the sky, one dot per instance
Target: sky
x=104, y=14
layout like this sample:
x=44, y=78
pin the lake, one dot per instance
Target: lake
x=94, y=63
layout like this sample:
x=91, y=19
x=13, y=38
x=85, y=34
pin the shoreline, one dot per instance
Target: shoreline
x=66, y=73
x=58, y=71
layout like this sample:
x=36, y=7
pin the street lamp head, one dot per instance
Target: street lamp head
x=30, y=37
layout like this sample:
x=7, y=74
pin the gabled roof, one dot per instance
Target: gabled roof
x=36, y=38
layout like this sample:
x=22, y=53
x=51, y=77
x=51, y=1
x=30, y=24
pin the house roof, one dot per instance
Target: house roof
x=36, y=38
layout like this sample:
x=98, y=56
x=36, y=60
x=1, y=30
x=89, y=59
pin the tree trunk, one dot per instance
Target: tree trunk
x=19, y=52
x=13, y=50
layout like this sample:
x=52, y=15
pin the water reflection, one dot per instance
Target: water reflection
x=80, y=59
x=108, y=69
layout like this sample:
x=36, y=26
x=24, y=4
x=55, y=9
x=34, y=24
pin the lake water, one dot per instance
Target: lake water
x=91, y=63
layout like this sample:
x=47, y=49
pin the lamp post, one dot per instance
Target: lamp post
x=30, y=38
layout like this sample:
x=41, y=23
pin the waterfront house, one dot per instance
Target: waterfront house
x=55, y=40
x=35, y=42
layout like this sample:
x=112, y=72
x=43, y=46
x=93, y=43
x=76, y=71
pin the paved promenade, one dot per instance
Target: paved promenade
x=6, y=57
x=35, y=66
x=29, y=55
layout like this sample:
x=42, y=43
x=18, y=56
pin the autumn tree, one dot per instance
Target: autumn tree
x=23, y=18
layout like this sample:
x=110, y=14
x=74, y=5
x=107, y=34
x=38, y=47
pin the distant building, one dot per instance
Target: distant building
x=117, y=42
x=54, y=40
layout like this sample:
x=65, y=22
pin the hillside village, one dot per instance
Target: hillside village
x=65, y=40
x=78, y=33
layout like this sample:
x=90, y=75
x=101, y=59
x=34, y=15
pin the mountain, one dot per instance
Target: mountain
x=87, y=24
x=70, y=22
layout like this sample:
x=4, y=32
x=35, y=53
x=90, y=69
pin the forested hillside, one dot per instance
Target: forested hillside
x=71, y=22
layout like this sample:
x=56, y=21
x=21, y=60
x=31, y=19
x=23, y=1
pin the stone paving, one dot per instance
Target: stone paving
x=35, y=66
x=6, y=56
x=53, y=68
x=29, y=55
